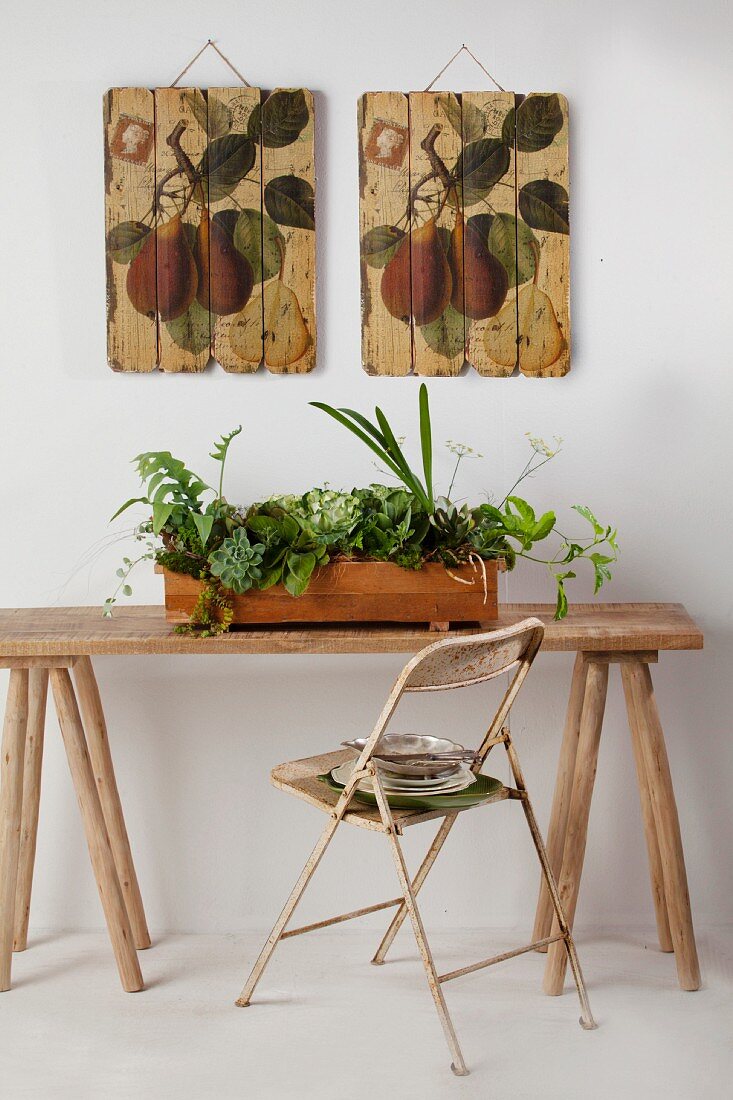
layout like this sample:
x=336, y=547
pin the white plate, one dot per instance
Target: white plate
x=404, y=771
x=421, y=783
x=343, y=773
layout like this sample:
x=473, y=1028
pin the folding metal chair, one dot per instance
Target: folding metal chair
x=447, y=664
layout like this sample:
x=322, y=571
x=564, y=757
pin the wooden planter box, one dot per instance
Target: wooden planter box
x=356, y=591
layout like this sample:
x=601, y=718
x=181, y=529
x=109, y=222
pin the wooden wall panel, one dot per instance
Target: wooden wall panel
x=384, y=229
x=435, y=147
x=180, y=140
x=289, y=183
x=129, y=194
x=485, y=204
x=543, y=186
x=490, y=241
x=235, y=260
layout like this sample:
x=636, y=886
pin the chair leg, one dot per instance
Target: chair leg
x=11, y=804
x=561, y=799
x=586, y=1018
x=298, y=890
x=399, y=917
x=458, y=1065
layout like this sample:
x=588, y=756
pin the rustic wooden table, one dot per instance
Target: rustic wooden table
x=41, y=643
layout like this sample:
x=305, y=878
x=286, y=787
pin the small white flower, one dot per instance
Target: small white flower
x=540, y=447
x=461, y=450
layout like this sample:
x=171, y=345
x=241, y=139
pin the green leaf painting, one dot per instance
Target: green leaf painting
x=259, y=239
x=281, y=119
x=226, y=162
x=213, y=116
x=544, y=205
x=539, y=121
x=446, y=335
x=465, y=118
x=192, y=330
x=125, y=240
x=289, y=200
x=379, y=244
x=515, y=245
x=480, y=165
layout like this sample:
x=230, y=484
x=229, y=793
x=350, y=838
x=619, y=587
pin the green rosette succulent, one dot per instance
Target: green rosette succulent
x=328, y=516
x=236, y=562
x=452, y=525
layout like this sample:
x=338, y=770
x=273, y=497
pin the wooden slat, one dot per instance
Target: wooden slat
x=183, y=329
x=129, y=193
x=358, y=578
x=501, y=202
x=430, y=276
x=544, y=346
x=53, y=631
x=246, y=197
x=384, y=203
x=290, y=313
x=37, y=662
x=348, y=600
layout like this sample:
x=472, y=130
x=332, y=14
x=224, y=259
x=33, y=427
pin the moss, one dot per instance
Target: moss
x=178, y=562
x=212, y=613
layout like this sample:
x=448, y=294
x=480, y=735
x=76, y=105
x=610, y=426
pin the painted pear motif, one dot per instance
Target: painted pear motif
x=480, y=281
x=540, y=342
x=417, y=280
x=432, y=283
x=177, y=275
x=395, y=286
x=142, y=278
x=225, y=277
x=286, y=338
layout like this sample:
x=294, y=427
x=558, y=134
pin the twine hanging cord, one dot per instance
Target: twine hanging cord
x=472, y=55
x=221, y=55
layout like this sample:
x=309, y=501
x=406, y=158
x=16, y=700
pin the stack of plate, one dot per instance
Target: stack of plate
x=417, y=787
x=411, y=777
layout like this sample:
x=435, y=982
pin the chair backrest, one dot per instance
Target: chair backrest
x=460, y=662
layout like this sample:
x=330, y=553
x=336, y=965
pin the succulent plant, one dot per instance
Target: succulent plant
x=390, y=518
x=452, y=524
x=327, y=515
x=236, y=562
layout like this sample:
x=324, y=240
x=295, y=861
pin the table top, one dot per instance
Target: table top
x=72, y=631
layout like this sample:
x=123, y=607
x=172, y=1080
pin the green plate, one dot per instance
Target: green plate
x=484, y=787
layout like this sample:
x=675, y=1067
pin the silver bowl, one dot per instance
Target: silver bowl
x=403, y=744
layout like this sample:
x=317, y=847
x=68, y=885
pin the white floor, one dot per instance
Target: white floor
x=325, y=1024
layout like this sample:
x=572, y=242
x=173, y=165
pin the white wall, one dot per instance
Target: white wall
x=644, y=414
